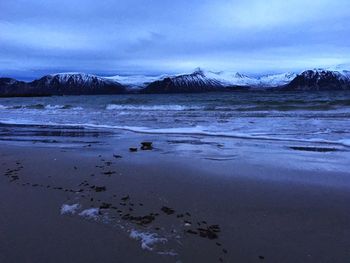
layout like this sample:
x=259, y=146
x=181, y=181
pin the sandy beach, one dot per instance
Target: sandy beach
x=88, y=198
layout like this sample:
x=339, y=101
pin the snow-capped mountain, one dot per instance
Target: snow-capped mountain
x=194, y=82
x=231, y=78
x=265, y=81
x=76, y=83
x=321, y=79
x=337, y=78
x=201, y=80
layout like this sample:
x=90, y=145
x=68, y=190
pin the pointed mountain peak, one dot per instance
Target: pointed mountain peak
x=198, y=71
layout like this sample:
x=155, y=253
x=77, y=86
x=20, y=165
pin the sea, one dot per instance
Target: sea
x=322, y=117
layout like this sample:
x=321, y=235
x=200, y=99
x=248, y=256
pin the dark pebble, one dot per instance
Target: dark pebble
x=167, y=210
x=146, y=146
x=99, y=188
x=125, y=198
x=192, y=232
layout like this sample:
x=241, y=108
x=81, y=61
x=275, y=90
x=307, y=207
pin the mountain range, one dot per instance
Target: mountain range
x=198, y=81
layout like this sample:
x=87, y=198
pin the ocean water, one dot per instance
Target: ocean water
x=318, y=117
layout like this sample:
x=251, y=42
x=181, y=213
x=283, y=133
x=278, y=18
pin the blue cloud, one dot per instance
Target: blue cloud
x=134, y=36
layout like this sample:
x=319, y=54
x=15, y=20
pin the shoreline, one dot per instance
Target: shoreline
x=261, y=216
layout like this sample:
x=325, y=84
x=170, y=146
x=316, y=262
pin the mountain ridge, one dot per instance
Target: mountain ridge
x=320, y=79
x=76, y=83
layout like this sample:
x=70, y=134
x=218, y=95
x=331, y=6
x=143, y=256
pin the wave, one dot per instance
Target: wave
x=174, y=107
x=288, y=108
x=41, y=107
x=303, y=101
x=195, y=131
x=248, y=108
x=152, y=107
x=58, y=107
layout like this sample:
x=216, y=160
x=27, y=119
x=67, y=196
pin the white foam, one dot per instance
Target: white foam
x=194, y=131
x=151, y=108
x=91, y=213
x=53, y=107
x=148, y=240
x=346, y=142
x=61, y=107
x=69, y=209
x=77, y=108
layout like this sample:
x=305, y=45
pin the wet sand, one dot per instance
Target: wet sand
x=165, y=205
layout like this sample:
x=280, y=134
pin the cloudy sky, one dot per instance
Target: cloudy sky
x=165, y=36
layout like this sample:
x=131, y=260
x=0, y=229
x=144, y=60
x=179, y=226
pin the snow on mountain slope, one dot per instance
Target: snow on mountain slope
x=75, y=83
x=276, y=80
x=319, y=74
x=194, y=82
x=231, y=78
x=206, y=77
x=199, y=77
x=238, y=79
x=75, y=77
x=135, y=81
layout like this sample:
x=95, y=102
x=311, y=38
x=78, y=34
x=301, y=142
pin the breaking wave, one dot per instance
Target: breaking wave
x=41, y=107
x=152, y=108
x=227, y=108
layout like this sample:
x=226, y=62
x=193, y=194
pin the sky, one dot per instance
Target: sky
x=109, y=37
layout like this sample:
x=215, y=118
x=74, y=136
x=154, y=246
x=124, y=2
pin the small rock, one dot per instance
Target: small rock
x=105, y=206
x=125, y=198
x=146, y=146
x=109, y=173
x=191, y=232
x=207, y=233
x=133, y=149
x=167, y=210
x=100, y=188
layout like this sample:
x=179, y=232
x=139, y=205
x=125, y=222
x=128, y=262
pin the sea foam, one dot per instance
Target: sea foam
x=148, y=240
x=152, y=108
x=91, y=213
x=69, y=209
